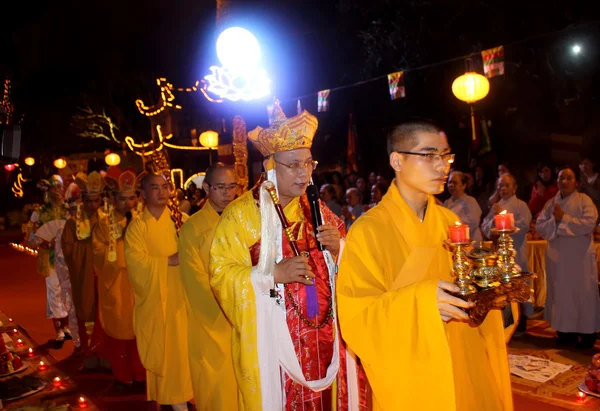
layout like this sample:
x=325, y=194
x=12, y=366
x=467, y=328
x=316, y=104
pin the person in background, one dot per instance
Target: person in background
x=365, y=194
x=544, y=189
x=372, y=178
x=573, y=305
x=463, y=205
x=115, y=294
x=377, y=192
x=353, y=208
x=327, y=194
x=160, y=316
x=184, y=205
x=508, y=201
x=590, y=183
x=209, y=331
x=502, y=169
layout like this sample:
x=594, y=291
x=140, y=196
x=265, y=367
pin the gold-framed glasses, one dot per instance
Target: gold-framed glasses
x=309, y=164
x=447, y=158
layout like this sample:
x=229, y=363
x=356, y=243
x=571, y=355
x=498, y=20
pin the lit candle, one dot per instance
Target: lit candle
x=57, y=381
x=581, y=396
x=82, y=402
x=10, y=319
x=42, y=366
x=459, y=233
x=19, y=342
x=504, y=221
x=15, y=331
x=30, y=352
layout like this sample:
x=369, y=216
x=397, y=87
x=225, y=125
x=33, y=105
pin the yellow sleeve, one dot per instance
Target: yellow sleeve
x=100, y=247
x=231, y=265
x=146, y=272
x=398, y=334
x=194, y=275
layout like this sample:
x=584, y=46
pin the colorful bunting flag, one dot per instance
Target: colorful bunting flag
x=396, y=85
x=323, y=101
x=493, y=61
x=299, y=107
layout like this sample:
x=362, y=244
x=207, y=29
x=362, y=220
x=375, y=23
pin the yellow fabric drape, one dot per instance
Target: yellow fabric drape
x=230, y=267
x=160, y=318
x=209, y=331
x=388, y=314
x=115, y=296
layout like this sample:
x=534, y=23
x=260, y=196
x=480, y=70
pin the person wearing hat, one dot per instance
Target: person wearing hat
x=287, y=351
x=115, y=295
x=77, y=247
x=48, y=223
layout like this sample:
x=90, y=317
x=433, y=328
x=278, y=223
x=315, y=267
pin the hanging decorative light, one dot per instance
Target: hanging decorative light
x=30, y=161
x=112, y=159
x=60, y=163
x=209, y=139
x=9, y=167
x=471, y=87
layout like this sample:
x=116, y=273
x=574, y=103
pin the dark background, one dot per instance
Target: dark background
x=63, y=55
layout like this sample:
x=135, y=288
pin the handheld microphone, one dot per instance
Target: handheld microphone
x=313, y=199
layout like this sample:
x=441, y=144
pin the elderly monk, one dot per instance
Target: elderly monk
x=77, y=247
x=209, y=331
x=115, y=296
x=160, y=318
x=287, y=352
x=394, y=294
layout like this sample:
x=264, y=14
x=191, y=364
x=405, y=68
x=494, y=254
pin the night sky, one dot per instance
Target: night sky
x=64, y=54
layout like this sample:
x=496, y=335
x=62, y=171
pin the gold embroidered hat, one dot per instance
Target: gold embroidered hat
x=91, y=184
x=286, y=133
x=120, y=181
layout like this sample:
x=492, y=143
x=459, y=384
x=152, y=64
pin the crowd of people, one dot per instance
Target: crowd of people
x=246, y=300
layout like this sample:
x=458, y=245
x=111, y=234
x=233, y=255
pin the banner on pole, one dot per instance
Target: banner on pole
x=396, y=85
x=323, y=101
x=493, y=61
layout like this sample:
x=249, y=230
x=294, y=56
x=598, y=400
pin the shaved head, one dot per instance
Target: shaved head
x=405, y=136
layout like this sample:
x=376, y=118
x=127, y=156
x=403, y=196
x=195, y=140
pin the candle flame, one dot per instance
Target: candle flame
x=41, y=363
x=81, y=399
x=31, y=350
x=581, y=394
x=504, y=212
x=458, y=223
x=57, y=379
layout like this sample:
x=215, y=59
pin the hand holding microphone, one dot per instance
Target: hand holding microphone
x=328, y=237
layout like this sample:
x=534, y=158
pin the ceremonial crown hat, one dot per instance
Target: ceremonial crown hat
x=119, y=180
x=91, y=184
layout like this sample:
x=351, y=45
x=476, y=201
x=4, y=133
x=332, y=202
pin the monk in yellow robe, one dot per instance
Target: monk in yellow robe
x=115, y=295
x=209, y=331
x=395, y=302
x=287, y=352
x=76, y=243
x=160, y=318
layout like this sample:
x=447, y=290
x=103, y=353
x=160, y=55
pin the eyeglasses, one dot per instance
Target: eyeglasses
x=310, y=164
x=431, y=157
x=223, y=187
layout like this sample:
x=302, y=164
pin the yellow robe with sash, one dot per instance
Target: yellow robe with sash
x=115, y=296
x=160, y=318
x=230, y=267
x=209, y=331
x=388, y=312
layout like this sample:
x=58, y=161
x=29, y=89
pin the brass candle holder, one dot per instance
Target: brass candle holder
x=506, y=253
x=487, y=279
x=461, y=268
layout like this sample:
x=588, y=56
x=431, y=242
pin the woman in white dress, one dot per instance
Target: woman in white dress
x=567, y=222
x=464, y=206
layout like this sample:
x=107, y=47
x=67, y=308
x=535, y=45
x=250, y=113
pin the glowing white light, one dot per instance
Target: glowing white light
x=240, y=78
x=576, y=49
x=238, y=50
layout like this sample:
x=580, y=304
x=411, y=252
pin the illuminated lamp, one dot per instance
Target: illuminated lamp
x=60, y=163
x=112, y=159
x=471, y=87
x=9, y=167
x=209, y=139
x=30, y=161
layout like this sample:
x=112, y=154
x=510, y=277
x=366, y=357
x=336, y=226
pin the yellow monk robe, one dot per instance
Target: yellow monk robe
x=115, y=296
x=160, y=318
x=80, y=260
x=209, y=331
x=389, y=317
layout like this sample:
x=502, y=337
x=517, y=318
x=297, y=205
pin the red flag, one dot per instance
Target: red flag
x=352, y=163
x=493, y=61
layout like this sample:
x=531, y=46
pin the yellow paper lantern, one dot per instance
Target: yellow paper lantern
x=112, y=159
x=60, y=163
x=30, y=161
x=209, y=139
x=471, y=87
